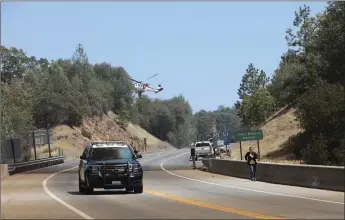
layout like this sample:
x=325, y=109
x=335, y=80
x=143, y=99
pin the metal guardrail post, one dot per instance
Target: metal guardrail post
x=48, y=138
x=13, y=151
x=241, y=149
x=34, y=143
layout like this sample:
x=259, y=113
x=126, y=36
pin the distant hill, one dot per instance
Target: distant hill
x=73, y=139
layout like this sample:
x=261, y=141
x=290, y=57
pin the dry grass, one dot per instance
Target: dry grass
x=276, y=131
x=153, y=143
x=107, y=127
x=43, y=152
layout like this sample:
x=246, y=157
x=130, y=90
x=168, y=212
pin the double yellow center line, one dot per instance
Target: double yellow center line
x=210, y=206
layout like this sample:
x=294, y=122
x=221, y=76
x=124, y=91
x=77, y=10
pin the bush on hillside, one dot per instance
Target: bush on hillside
x=316, y=151
x=86, y=133
x=298, y=142
x=321, y=111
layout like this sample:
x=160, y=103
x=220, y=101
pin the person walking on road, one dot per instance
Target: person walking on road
x=251, y=158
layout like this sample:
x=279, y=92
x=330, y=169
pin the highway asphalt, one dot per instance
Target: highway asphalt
x=172, y=190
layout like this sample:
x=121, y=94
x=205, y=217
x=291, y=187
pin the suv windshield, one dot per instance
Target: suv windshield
x=202, y=145
x=106, y=153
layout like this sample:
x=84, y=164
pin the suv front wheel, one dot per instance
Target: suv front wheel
x=139, y=188
x=84, y=189
x=81, y=188
x=88, y=190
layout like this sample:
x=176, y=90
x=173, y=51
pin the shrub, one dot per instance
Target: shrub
x=86, y=133
x=316, y=151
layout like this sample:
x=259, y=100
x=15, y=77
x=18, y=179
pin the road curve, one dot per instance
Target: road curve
x=172, y=190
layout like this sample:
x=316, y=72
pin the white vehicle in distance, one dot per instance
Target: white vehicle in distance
x=203, y=149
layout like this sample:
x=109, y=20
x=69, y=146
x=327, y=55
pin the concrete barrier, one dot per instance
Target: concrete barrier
x=4, y=170
x=312, y=176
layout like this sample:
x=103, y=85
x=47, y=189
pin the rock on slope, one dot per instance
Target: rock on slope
x=73, y=139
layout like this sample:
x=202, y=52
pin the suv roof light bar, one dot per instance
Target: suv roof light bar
x=107, y=142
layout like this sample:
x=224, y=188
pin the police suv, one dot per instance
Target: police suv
x=110, y=165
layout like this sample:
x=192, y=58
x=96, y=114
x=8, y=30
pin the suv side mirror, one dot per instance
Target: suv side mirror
x=139, y=156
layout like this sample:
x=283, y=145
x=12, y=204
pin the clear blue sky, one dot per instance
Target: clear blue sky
x=200, y=49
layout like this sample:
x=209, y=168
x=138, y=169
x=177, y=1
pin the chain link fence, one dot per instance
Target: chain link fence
x=35, y=145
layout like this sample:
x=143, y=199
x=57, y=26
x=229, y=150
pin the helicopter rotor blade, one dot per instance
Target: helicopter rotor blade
x=151, y=77
x=135, y=80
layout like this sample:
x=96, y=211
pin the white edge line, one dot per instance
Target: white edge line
x=53, y=196
x=240, y=188
x=46, y=190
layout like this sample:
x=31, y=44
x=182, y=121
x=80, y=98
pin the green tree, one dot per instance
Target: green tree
x=202, y=120
x=330, y=43
x=16, y=114
x=143, y=106
x=162, y=121
x=226, y=120
x=51, y=97
x=13, y=63
x=256, y=108
x=252, y=80
x=321, y=111
x=306, y=26
x=122, y=88
x=312, y=78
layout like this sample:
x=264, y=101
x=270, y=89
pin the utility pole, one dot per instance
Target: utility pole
x=226, y=140
x=215, y=136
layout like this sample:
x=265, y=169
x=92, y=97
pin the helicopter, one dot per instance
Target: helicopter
x=142, y=87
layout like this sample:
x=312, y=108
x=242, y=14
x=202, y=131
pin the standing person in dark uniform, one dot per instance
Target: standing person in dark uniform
x=192, y=154
x=134, y=148
x=251, y=158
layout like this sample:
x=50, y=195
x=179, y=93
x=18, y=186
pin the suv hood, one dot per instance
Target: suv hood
x=112, y=161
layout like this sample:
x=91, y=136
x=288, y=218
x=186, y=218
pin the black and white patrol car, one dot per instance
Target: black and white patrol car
x=110, y=165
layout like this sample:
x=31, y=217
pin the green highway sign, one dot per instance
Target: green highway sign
x=249, y=135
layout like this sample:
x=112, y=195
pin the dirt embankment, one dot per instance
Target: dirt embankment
x=71, y=140
x=277, y=129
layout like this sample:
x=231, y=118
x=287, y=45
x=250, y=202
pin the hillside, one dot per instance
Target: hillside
x=71, y=91
x=72, y=139
x=277, y=129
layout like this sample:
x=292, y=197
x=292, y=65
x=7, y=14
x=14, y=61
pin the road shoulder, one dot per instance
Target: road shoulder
x=263, y=187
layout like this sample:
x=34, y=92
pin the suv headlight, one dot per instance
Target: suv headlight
x=94, y=169
x=134, y=167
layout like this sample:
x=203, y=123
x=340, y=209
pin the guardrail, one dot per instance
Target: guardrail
x=311, y=176
x=35, y=164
